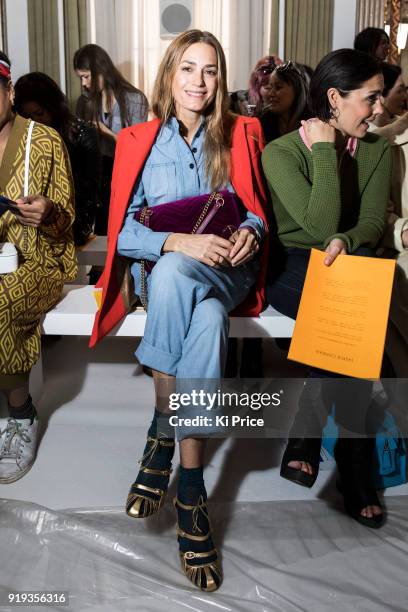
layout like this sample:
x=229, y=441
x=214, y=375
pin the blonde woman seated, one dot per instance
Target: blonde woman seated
x=194, y=147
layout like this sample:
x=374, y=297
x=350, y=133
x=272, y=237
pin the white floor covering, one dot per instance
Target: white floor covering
x=284, y=548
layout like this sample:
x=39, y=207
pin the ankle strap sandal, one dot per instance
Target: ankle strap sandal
x=144, y=500
x=303, y=450
x=201, y=567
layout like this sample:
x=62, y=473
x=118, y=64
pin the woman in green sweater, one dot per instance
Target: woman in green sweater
x=329, y=183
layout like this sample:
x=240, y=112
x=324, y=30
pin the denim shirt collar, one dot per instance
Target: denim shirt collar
x=174, y=126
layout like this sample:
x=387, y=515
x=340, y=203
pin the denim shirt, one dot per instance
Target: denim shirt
x=136, y=105
x=173, y=170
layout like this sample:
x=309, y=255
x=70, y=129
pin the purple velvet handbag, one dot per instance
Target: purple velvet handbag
x=216, y=213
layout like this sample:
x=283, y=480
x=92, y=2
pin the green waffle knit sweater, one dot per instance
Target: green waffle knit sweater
x=316, y=198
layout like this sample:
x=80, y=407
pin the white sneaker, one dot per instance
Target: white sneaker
x=18, y=447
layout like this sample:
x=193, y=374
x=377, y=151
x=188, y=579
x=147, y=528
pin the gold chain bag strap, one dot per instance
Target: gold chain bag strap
x=145, y=212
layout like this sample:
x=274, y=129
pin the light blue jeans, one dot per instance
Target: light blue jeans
x=186, y=332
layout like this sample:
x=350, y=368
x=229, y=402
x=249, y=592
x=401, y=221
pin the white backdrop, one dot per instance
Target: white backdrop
x=130, y=31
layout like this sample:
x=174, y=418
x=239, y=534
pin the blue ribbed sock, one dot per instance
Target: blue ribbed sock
x=191, y=485
x=160, y=426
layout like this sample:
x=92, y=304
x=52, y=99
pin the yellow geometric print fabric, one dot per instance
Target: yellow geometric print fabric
x=46, y=254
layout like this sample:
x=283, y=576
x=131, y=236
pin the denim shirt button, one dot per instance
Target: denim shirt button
x=191, y=166
x=194, y=150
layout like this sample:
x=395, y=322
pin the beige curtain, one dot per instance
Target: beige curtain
x=274, y=35
x=3, y=33
x=308, y=30
x=394, y=26
x=370, y=13
x=43, y=37
x=129, y=31
x=75, y=30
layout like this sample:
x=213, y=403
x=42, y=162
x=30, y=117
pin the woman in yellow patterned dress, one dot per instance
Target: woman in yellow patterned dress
x=35, y=173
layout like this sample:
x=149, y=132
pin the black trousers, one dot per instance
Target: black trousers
x=350, y=396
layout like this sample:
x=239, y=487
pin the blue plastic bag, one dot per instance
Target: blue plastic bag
x=390, y=453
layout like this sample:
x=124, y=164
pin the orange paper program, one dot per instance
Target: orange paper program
x=343, y=313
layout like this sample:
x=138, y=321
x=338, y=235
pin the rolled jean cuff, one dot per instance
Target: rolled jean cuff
x=155, y=358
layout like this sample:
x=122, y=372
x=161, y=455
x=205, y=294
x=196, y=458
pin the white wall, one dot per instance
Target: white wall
x=344, y=23
x=17, y=32
x=17, y=37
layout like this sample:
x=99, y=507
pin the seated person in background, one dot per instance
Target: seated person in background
x=329, y=183
x=248, y=102
x=39, y=98
x=394, y=95
x=111, y=103
x=41, y=233
x=395, y=239
x=283, y=95
x=280, y=97
x=373, y=41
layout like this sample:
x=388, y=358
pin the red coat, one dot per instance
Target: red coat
x=133, y=147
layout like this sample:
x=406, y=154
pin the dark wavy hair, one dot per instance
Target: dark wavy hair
x=368, y=40
x=298, y=76
x=97, y=61
x=345, y=70
x=391, y=72
x=43, y=90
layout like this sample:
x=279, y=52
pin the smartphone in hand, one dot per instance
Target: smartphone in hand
x=7, y=204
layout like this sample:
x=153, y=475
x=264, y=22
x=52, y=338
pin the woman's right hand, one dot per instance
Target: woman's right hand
x=318, y=131
x=334, y=248
x=207, y=248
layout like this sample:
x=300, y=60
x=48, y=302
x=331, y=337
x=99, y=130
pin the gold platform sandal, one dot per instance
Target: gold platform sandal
x=200, y=566
x=145, y=499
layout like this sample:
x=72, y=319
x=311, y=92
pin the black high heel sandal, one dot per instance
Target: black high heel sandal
x=354, y=458
x=305, y=437
x=198, y=555
x=301, y=449
x=147, y=497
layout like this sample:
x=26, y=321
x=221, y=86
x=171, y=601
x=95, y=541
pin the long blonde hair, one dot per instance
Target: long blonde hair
x=219, y=119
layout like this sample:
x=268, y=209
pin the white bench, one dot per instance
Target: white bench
x=74, y=315
x=75, y=312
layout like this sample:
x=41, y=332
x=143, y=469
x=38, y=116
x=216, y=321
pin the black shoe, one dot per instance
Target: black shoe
x=198, y=555
x=354, y=458
x=301, y=449
x=147, y=493
x=305, y=437
x=251, y=358
x=283, y=344
x=231, y=366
